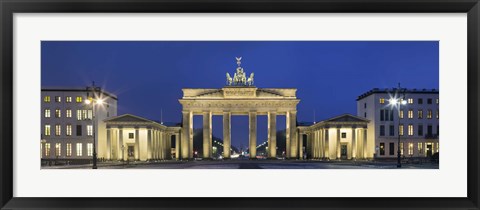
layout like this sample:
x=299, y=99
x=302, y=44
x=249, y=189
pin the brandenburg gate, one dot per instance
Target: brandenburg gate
x=239, y=97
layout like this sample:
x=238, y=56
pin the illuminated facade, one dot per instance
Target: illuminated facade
x=417, y=123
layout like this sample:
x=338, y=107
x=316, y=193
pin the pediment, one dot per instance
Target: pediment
x=346, y=118
x=127, y=118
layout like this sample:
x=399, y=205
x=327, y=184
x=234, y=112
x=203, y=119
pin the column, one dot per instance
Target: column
x=300, y=145
x=120, y=140
x=272, y=130
x=322, y=150
x=169, y=146
x=185, y=141
x=309, y=145
x=287, y=135
x=177, y=146
x=207, y=135
x=154, y=144
x=252, y=128
x=149, y=144
x=293, y=135
x=161, y=146
x=338, y=143
x=190, y=138
x=109, y=144
x=314, y=144
x=327, y=143
x=354, y=144
x=137, y=144
x=365, y=146
x=226, y=134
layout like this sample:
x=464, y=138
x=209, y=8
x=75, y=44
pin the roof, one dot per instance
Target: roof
x=78, y=89
x=127, y=118
x=393, y=90
x=346, y=118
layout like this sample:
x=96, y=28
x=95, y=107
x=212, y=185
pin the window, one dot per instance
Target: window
x=437, y=114
x=58, y=113
x=401, y=114
x=382, y=100
x=410, y=148
x=420, y=148
x=410, y=114
x=382, y=115
x=438, y=130
x=46, y=99
x=344, y=135
x=391, y=148
x=69, y=130
x=47, y=130
x=58, y=99
x=437, y=146
x=429, y=114
x=392, y=130
x=429, y=101
x=68, y=99
x=400, y=130
x=420, y=130
x=420, y=101
x=410, y=130
x=79, y=99
x=429, y=130
x=68, y=113
x=410, y=101
x=364, y=115
x=58, y=149
x=391, y=115
x=58, y=130
x=79, y=149
x=79, y=114
x=47, y=113
x=89, y=130
x=436, y=100
x=382, y=148
x=401, y=148
x=420, y=114
x=365, y=105
x=89, y=114
x=90, y=149
x=47, y=150
x=387, y=115
x=79, y=130
x=69, y=150
x=382, y=130
x=130, y=135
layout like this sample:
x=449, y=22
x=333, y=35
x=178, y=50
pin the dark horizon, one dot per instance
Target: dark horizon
x=147, y=76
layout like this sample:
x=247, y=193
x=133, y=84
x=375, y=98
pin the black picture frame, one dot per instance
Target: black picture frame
x=10, y=7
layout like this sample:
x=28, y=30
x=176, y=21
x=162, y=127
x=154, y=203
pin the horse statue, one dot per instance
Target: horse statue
x=229, y=79
x=250, y=80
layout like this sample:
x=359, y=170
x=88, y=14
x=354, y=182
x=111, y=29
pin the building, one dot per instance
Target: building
x=67, y=127
x=412, y=114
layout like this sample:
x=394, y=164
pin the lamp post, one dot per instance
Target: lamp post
x=397, y=102
x=94, y=100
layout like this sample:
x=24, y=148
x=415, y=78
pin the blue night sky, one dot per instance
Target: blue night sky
x=148, y=75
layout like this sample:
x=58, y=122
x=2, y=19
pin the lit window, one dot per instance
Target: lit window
x=410, y=101
x=410, y=130
x=90, y=149
x=79, y=114
x=58, y=113
x=68, y=99
x=84, y=114
x=90, y=114
x=79, y=149
x=401, y=148
x=46, y=99
x=437, y=146
x=382, y=100
x=410, y=114
x=400, y=130
x=420, y=147
x=58, y=99
x=58, y=130
x=420, y=114
x=47, y=112
x=58, y=149
x=47, y=149
x=69, y=130
x=436, y=100
x=89, y=130
x=68, y=113
x=47, y=130
x=401, y=114
x=79, y=99
x=69, y=150
x=437, y=114
x=429, y=114
x=410, y=148
x=382, y=148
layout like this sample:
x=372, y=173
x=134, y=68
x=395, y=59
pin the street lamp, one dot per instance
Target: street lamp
x=397, y=102
x=94, y=100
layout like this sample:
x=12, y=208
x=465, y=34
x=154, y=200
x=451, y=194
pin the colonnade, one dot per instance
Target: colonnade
x=186, y=143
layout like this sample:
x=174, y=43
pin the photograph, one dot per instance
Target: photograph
x=239, y=105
